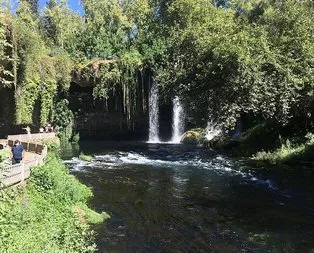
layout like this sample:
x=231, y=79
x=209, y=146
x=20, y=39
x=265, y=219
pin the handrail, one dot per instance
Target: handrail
x=32, y=137
x=17, y=173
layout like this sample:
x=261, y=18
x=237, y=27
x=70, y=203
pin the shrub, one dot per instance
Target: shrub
x=43, y=215
x=289, y=152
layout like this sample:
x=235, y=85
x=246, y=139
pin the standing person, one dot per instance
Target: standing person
x=17, y=152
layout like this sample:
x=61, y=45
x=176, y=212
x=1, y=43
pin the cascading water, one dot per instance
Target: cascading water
x=211, y=131
x=153, y=114
x=178, y=121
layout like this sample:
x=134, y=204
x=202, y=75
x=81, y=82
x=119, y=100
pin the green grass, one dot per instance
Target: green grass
x=264, y=143
x=49, y=214
x=289, y=153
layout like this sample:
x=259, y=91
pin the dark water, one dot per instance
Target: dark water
x=174, y=198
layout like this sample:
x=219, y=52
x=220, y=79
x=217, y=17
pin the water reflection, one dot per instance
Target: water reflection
x=168, y=198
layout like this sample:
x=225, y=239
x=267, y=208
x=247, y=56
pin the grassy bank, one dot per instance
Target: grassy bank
x=288, y=153
x=49, y=214
x=268, y=144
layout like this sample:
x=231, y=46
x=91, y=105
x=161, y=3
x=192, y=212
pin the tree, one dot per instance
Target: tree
x=61, y=26
x=6, y=75
x=34, y=5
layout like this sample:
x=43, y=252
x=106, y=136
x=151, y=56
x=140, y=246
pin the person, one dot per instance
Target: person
x=41, y=130
x=50, y=128
x=17, y=152
x=27, y=129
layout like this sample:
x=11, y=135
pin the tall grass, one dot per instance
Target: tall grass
x=289, y=153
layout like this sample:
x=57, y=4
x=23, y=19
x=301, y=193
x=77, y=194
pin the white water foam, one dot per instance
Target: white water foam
x=211, y=131
x=218, y=164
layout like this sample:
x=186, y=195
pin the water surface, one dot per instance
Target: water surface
x=175, y=198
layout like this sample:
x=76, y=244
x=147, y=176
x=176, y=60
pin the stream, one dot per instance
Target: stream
x=177, y=198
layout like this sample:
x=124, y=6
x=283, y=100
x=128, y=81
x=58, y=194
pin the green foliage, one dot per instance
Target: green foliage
x=6, y=75
x=34, y=5
x=106, y=76
x=4, y=154
x=260, y=137
x=36, y=69
x=75, y=138
x=92, y=216
x=288, y=153
x=61, y=26
x=255, y=57
x=55, y=183
x=4, y=158
x=107, y=29
x=53, y=145
x=223, y=58
x=63, y=119
x=46, y=215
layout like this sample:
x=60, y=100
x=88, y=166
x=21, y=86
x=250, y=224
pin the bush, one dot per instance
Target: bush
x=46, y=216
x=289, y=153
x=63, y=119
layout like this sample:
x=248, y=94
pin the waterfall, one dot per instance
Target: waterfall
x=178, y=121
x=211, y=131
x=153, y=113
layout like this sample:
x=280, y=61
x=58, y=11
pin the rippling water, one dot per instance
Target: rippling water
x=175, y=198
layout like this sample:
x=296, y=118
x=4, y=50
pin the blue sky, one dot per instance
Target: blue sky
x=74, y=5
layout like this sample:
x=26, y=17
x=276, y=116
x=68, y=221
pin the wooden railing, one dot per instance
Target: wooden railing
x=17, y=173
x=31, y=137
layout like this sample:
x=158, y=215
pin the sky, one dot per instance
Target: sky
x=74, y=5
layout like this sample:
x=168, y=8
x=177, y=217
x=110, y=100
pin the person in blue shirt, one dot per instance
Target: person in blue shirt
x=17, y=152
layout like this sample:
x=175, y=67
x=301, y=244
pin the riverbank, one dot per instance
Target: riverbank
x=267, y=144
x=49, y=213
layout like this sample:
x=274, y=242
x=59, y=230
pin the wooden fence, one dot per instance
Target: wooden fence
x=31, y=137
x=17, y=173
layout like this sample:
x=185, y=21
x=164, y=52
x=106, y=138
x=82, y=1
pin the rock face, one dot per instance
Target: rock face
x=194, y=136
x=109, y=126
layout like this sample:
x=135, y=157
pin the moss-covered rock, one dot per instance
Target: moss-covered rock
x=194, y=136
x=86, y=158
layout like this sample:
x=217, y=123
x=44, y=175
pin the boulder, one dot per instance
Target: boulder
x=194, y=136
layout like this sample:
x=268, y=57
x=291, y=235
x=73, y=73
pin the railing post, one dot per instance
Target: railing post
x=22, y=172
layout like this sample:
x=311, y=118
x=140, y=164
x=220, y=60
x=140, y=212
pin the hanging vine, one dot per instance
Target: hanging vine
x=38, y=72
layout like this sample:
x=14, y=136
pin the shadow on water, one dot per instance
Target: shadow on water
x=173, y=198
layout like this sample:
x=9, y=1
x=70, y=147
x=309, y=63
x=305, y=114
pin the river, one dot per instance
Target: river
x=177, y=198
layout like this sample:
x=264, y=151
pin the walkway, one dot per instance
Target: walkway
x=35, y=154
